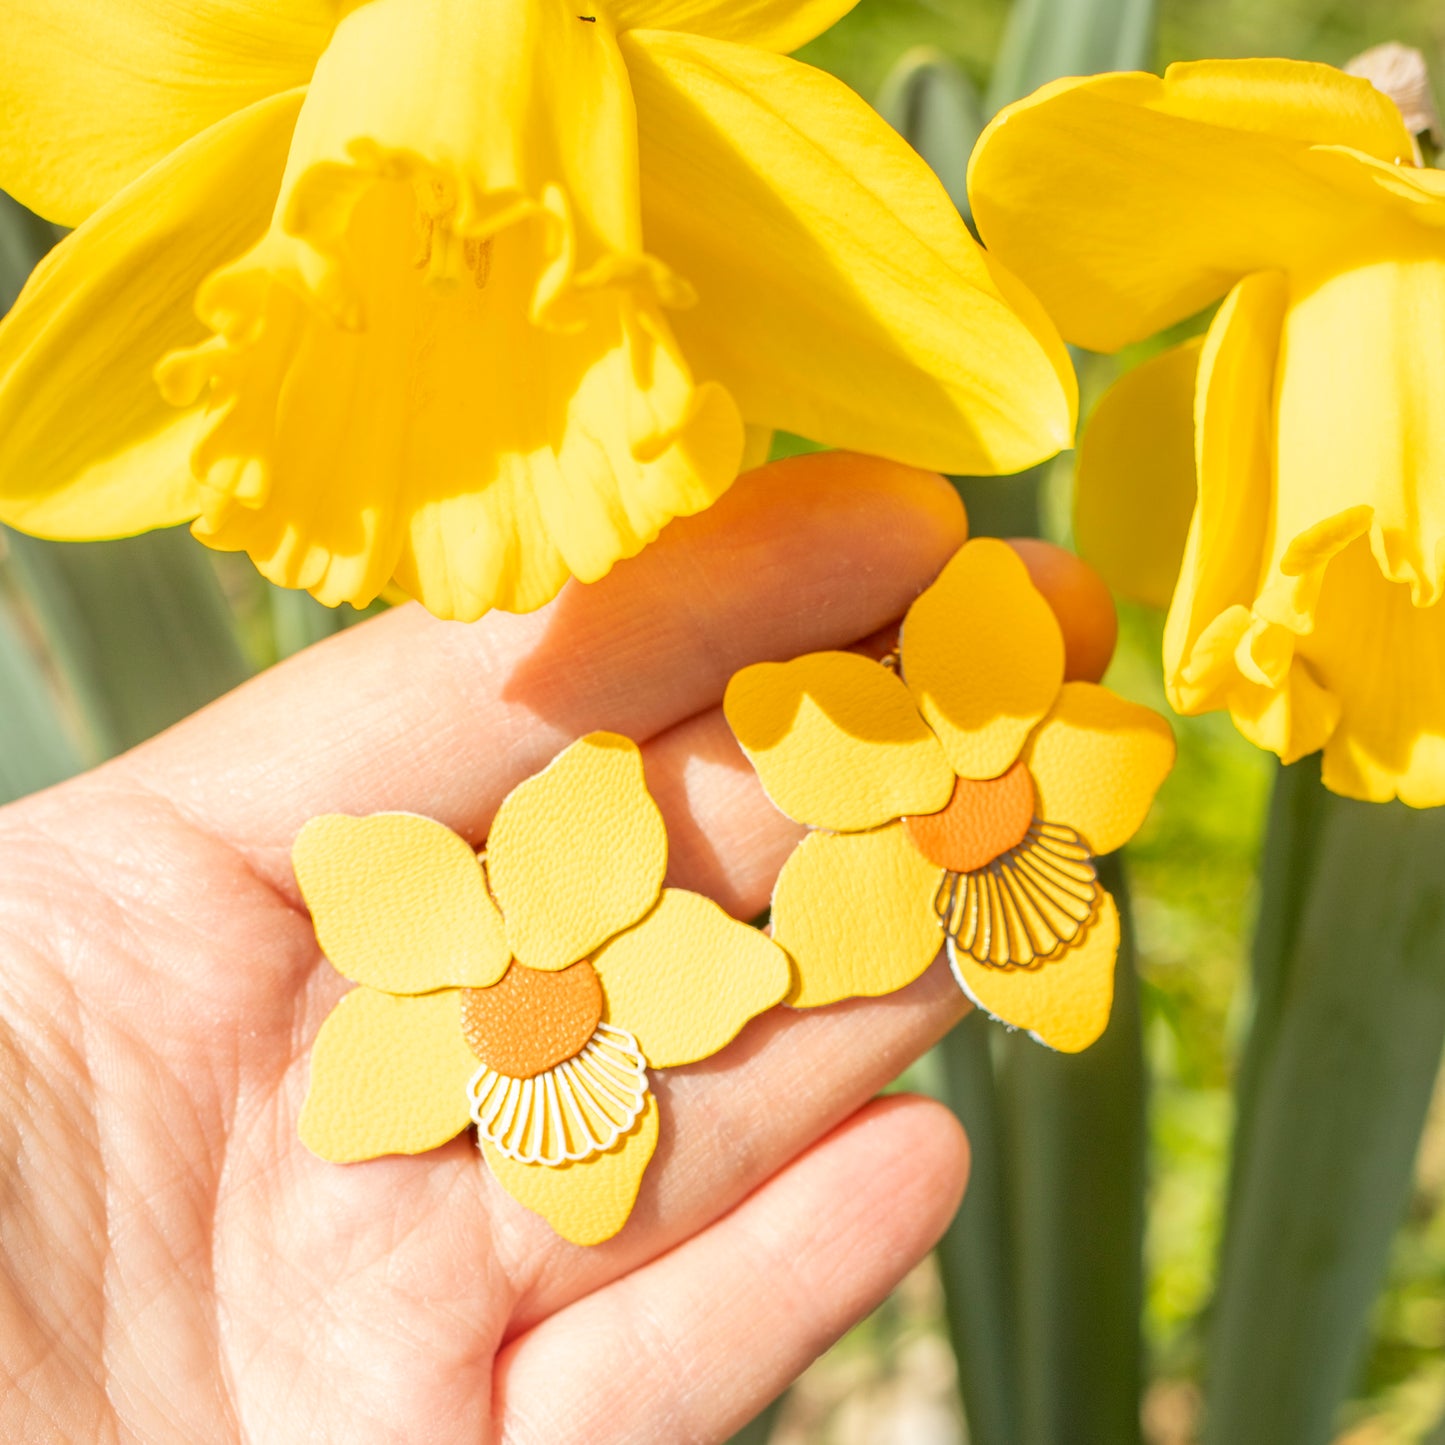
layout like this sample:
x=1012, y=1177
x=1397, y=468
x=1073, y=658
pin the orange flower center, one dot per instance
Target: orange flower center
x=982, y=821
x=530, y=1021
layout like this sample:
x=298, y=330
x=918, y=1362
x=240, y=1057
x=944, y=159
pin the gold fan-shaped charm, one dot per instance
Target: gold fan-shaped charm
x=573, y=1110
x=1023, y=907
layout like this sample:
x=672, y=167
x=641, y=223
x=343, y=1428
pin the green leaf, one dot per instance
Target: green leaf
x=1046, y=39
x=24, y=239
x=1003, y=506
x=298, y=620
x=934, y=106
x=1437, y=1434
x=139, y=628
x=976, y=1255
x=1074, y=1129
x=1350, y=1026
x=863, y=46
x=759, y=1430
x=36, y=749
x=1296, y=811
x=1042, y=1268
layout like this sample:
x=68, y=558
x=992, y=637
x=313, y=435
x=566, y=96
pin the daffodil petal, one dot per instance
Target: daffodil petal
x=983, y=657
x=1224, y=560
x=1380, y=658
x=1292, y=718
x=855, y=913
x=579, y=506
x=1217, y=652
x=461, y=554
x=88, y=445
x=1291, y=100
x=839, y=294
x=1127, y=202
x=369, y=474
x=686, y=979
x=600, y=501
x=577, y=853
x=399, y=902
x=388, y=1076
x=1134, y=486
x=1359, y=419
x=781, y=25
x=449, y=361
x=1328, y=634
x=586, y=1201
x=1063, y=1003
x=93, y=95
x=1097, y=760
x=837, y=741
x=500, y=103
x=1418, y=192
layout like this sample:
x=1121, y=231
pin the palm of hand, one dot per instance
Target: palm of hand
x=179, y=1267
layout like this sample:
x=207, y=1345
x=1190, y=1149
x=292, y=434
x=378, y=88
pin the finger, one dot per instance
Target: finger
x=693, y=1345
x=408, y=713
x=724, y=836
x=1080, y=601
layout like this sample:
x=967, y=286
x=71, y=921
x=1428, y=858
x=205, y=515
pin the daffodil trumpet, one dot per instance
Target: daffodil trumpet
x=959, y=796
x=529, y=992
x=466, y=297
x=1276, y=482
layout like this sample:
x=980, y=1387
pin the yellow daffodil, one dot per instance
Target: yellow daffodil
x=529, y=993
x=1304, y=432
x=474, y=295
x=965, y=796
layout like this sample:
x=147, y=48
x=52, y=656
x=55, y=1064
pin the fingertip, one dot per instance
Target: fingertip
x=920, y=496
x=1080, y=601
x=928, y=1138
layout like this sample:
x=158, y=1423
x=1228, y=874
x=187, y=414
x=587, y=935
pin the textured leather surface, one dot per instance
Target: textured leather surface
x=531, y=1021
x=982, y=820
x=388, y=1076
x=1064, y=1003
x=577, y=853
x=588, y=1201
x=688, y=977
x=855, y=913
x=1097, y=762
x=984, y=657
x=399, y=902
x=837, y=741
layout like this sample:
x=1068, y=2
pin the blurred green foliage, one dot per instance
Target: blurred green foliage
x=865, y=45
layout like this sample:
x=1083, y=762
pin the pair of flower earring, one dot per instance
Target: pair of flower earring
x=958, y=792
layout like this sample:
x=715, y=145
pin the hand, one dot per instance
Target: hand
x=178, y=1267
